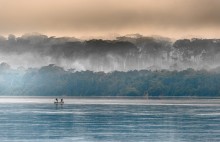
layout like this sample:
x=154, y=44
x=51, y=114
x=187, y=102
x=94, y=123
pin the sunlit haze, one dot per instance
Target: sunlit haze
x=98, y=18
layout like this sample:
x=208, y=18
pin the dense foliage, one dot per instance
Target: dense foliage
x=55, y=81
x=134, y=52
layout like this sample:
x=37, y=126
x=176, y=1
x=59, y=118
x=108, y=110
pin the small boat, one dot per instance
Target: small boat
x=58, y=103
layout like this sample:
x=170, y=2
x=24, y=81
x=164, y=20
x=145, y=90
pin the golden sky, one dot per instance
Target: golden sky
x=84, y=18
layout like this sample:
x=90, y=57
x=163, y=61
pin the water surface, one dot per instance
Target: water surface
x=156, y=121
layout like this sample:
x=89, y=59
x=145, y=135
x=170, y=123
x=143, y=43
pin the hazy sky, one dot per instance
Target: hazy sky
x=84, y=18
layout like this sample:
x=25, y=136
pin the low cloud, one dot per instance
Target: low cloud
x=131, y=52
x=176, y=18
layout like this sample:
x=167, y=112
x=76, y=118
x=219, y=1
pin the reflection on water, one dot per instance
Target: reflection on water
x=108, y=122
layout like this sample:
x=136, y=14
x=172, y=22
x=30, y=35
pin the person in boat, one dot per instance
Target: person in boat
x=61, y=100
x=56, y=100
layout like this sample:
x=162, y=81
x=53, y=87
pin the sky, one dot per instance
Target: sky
x=97, y=18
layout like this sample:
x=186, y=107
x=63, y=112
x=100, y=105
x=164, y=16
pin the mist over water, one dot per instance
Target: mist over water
x=169, y=101
x=131, y=52
x=107, y=85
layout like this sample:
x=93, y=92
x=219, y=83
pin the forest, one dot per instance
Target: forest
x=52, y=80
x=125, y=53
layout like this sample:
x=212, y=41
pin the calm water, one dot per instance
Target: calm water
x=109, y=122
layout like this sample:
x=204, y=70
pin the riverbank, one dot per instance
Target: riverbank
x=112, y=100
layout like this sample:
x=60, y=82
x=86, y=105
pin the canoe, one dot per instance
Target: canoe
x=59, y=103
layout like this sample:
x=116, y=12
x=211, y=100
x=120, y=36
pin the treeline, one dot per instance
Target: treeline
x=55, y=81
x=123, y=54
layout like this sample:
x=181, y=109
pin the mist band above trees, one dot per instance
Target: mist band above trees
x=133, y=52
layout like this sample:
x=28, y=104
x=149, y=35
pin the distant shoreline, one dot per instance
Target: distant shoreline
x=116, y=97
x=108, y=100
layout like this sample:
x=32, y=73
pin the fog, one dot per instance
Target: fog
x=172, y=18
x=130, y=52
